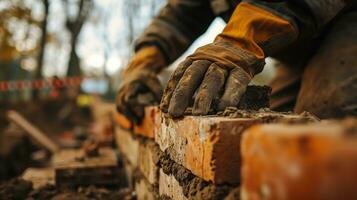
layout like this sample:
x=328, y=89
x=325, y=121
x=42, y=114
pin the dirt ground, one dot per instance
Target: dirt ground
x=18, y=189
x=52, y=116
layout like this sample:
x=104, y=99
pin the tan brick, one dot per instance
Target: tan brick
x=129, y=173
x=148, y=161
x=145, y=191
x=177, y=182
x=128, y=145
x=141, y=153
x=169, y=186
x=295, y=162
x=209, y=146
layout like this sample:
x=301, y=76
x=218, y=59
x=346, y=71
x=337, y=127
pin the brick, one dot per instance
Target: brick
x=209, y=146
x=145, y=191
x=294, y=162
x=73, y=168
x=146, y=128
x=176, y=182
x=39, y=177
x=128, y=145
x=149, y=154
x=122, y=121
x=129, y=172
x=141, y=153
x=170, y=187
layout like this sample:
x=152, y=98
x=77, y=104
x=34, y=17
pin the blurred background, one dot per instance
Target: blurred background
x=60, y=62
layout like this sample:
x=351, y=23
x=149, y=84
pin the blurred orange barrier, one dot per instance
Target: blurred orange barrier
x=40, y=83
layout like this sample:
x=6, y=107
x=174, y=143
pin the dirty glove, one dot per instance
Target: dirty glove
x=216, y=75
x=140, y=86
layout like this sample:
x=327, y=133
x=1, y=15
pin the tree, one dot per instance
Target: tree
x=16, y=17
x=74, y=26
x=43, y=26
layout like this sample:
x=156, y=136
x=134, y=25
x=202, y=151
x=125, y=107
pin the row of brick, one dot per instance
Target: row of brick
x=279, y=161
x=152, y=174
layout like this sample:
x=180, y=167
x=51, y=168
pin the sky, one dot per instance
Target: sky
x=103, y=43
x=90, y=45
x=108, y=18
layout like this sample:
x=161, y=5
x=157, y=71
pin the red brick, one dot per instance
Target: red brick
x=146, y=128
x=122, y=121
x=295, y=162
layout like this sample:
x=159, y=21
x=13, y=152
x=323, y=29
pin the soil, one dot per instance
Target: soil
x=15, y=189
x=15, y=152
x=20, y=189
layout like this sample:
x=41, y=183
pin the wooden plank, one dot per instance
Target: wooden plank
x=35, y=133
x=73, y=168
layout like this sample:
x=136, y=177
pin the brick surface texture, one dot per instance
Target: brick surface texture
x=299, y=162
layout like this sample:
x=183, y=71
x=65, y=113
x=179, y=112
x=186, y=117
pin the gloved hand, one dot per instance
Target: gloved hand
x=140, y=86
x=216, y=75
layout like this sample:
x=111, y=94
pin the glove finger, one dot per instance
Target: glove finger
x=153, y=84
x=235, y=87
x=171, y=85
x=210, y=89
x=119, y=103
x=132, y=90
x=135, y=110
x=119, y=100
x=124, y=108
x=125, y=94
x=187, y=86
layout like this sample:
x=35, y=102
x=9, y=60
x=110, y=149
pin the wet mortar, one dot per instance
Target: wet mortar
x=193, y=187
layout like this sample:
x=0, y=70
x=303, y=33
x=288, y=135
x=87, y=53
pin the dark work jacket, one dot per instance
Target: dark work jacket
x=180, y=22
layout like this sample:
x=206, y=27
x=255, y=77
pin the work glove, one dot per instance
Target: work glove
x=140, y=85
x=215, y=76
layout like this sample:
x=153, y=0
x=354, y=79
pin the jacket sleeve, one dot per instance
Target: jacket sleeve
x=178, y=24
x=308, y=16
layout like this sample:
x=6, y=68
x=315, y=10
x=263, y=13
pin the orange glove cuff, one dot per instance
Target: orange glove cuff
x=257, y=30
x=251, y=34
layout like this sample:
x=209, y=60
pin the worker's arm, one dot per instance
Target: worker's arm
x=179, y=23
x=216, y=75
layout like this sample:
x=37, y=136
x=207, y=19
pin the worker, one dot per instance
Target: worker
x=315, y=43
